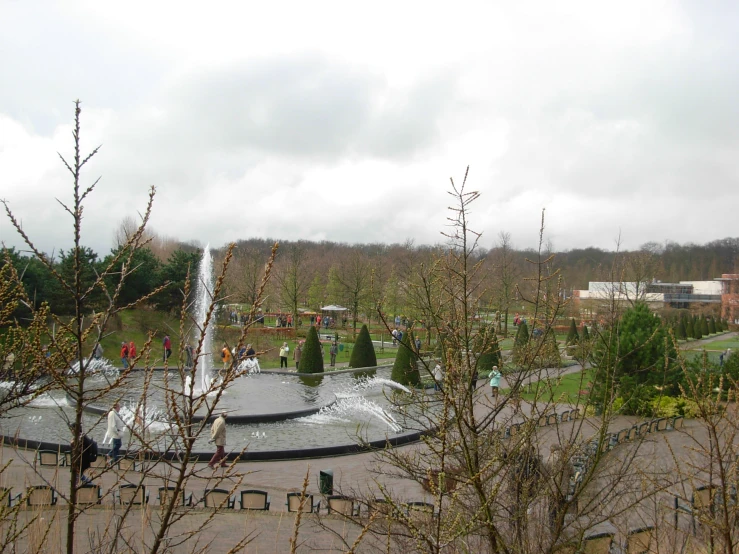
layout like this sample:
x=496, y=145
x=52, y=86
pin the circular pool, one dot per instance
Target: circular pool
x=271, y=416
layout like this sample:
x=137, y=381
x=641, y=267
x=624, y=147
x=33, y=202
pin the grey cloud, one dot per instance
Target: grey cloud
x=306, y=106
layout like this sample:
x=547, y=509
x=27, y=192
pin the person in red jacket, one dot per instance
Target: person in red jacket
x=124, y=355
x=131, y=352
x=167, y=347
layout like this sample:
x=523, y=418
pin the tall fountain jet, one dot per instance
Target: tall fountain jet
x=204, y=298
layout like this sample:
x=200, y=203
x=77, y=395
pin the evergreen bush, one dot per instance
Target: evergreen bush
x=363, y=354
x=712, y=326
x=572, y=335
x=585, y=334
x=548, y=351
x=311, y=361
x=491, y=355
x=704, y=327
x=681, y=332
x=405, y=369
x=520, y=343
x=689, y=331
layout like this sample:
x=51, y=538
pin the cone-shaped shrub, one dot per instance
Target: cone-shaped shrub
x=712, y=326
x=363, y=354
x=585, y=334
x=698, y=332
x=311, y=360
x=520, y=342
x=572, y=336
x=491, y=355
x=704, y=327
x=548, y=351
x=689, y=331
x=681, y=332
x=405, y=369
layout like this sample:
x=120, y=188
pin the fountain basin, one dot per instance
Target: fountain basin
x=361, y=419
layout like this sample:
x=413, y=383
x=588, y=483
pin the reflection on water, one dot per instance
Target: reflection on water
x=312, y=382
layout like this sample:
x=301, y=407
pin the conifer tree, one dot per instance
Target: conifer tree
x=572, y=335
x=491, y=356
x=689, y=330
x=548, y=352
x=585, y=333
x=712, y=326
x=697, y=331
x=405, y=369
x=311, y=361
x=681, y=332
x=520, y=342
x=363, y=354
x=704, y=327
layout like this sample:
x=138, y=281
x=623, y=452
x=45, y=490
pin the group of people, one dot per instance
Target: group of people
x=244, y=317
x=283, y=320
x=117, y=427
x=404, y=321
x=128, y=353
x=495, y=377
x=231, y=358
x=298, y=352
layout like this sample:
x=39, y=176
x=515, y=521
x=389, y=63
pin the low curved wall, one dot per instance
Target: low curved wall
x=264, y=456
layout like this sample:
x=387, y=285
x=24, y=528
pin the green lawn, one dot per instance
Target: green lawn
x=722, y=344
x=564, y=389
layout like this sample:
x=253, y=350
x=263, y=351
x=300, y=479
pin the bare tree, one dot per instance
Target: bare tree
x=293, y=279
x=70, y=369
x=482, y=460
x=505, y=274
x=353, y=277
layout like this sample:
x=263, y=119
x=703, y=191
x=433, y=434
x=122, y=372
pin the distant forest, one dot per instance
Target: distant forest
x=311, y=274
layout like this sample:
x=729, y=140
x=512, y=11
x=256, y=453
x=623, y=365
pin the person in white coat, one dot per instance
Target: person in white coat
x=218, y=436
x=116, y=427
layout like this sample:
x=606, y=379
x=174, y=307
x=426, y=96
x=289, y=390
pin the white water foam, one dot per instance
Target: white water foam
x=345, y=410
x=367, y=383
x=96, y=366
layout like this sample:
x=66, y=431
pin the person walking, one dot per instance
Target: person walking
x=167, y=347
x=89, y=454
x=131, y=352
x=116, y=427
x=218, y=436
x=189, y=354
x=438, y=376
x=332, y=352
x=297, y=353
x=284, y=349
x=225, y=356
x=473, y=381
x=124, y=355
x=495, y=376
x=97, y=353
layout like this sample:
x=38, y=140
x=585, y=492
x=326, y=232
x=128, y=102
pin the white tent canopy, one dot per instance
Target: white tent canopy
x=333, y=308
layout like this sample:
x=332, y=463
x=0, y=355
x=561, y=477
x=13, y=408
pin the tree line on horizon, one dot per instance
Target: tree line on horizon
x=360, y=277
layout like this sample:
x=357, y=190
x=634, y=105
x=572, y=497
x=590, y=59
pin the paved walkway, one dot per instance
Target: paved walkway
x=357, y=475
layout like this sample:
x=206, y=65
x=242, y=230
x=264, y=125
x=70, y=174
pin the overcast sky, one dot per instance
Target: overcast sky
x=343, y=121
